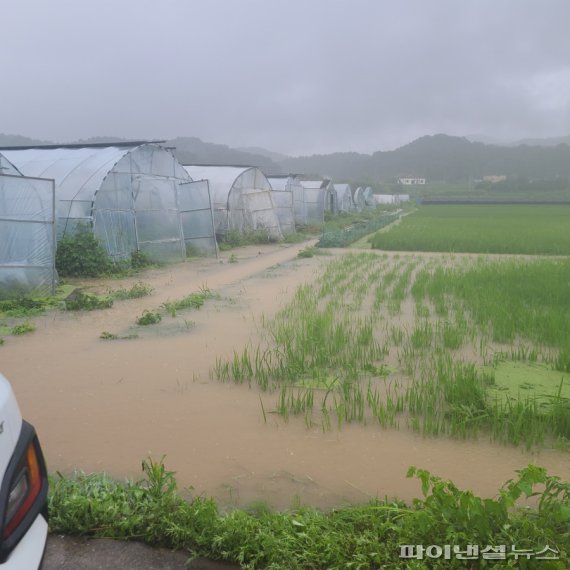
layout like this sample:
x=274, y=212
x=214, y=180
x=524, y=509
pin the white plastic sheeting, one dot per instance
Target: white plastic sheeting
x=6, y=167
x=331, y=198
x=197, y=217
x=368, y=196
x=314, y=200
x=27, y=236
x=344, y=197
x=128, y=194
x=358, y=199
x=241, y=199
x=283, y=200
x=385, y=199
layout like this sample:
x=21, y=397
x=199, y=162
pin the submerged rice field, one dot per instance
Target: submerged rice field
x=525, y=229
x=459, y=346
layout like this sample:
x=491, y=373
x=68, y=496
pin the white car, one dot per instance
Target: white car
x=24, y=488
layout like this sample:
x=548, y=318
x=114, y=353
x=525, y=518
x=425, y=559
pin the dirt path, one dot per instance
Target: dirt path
x=106, y=405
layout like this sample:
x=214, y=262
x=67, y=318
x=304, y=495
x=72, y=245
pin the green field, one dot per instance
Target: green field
x=527, y=229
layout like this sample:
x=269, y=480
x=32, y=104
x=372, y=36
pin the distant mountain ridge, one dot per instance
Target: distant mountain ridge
x=436, y=157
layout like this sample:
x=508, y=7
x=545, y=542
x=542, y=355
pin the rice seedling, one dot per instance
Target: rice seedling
x=325, y=352
x=481, y=229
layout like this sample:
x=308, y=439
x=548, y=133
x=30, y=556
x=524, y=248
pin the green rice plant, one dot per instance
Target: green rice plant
x=562, y=361
x=422, y=335
x=536, y=229
x=452, y=335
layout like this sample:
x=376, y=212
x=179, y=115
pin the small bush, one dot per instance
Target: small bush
x=149, y=318
x=81, y=301
x=140, y=260
x=82, y=255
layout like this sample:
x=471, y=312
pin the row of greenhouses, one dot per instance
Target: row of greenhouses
x=138, y=197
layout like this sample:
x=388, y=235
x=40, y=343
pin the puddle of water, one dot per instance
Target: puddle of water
x=106, y=405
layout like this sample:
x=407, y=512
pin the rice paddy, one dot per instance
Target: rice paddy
x=528, y=229
x=463, y=347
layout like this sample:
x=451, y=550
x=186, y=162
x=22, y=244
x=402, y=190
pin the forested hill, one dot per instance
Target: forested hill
x=441, y=158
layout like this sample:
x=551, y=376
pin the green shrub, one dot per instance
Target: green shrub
x=149, y=318
x=140, y=260
x=81, y=255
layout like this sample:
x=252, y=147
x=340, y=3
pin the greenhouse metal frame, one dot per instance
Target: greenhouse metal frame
x=241, y=199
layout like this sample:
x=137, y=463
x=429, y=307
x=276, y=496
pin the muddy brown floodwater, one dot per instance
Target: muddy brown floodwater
x=106, y=405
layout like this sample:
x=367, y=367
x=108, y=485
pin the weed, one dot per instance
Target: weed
x=81, y=301
x=152, y=510
x=232, y=258
x=105, y=335
x=192, y=301
x=23, y=328
x=137, y=291
x=149, y=318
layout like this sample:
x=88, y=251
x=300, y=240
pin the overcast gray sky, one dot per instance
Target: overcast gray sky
x=294, y=76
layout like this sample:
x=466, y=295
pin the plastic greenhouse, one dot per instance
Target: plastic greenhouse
x=27, y=234
x=283, y=200
x=314, y=201
x=368, y=197
x=197, y=218
x=241, y=199
x=331, y=198
x=358, y=199
x=128, y=193
x=344, y=196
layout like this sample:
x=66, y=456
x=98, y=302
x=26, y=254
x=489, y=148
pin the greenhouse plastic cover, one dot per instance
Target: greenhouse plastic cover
x=128, y=193
x=241, y=198
x=283, y=200
x=27, y=237
x=344, y=195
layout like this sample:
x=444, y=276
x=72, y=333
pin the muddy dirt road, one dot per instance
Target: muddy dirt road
x=106, y=405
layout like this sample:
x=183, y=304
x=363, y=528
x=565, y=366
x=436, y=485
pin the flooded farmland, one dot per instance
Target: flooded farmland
x=102, y=405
